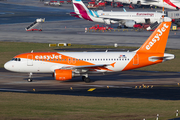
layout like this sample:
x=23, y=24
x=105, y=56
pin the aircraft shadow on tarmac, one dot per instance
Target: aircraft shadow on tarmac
x=120, y=90
x=164, y=93
x=125, y=76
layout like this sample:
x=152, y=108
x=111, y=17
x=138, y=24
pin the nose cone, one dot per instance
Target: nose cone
x=7, y=66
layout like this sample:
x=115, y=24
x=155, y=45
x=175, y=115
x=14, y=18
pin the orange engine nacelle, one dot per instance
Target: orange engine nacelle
x=63, y=75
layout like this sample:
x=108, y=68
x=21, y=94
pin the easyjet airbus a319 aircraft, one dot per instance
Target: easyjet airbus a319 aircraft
x=66, y=65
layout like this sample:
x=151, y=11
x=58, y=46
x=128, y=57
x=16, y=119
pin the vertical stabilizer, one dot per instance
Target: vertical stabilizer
x=75, y=8
x=156, y=43
x=82, y=5
x=81, y=9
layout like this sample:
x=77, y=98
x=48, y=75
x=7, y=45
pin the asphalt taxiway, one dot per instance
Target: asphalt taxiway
x=70, y=30
x=73, y=31
x=154, y=85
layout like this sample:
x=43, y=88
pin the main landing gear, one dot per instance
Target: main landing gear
x=86, y=79
x=30, y=77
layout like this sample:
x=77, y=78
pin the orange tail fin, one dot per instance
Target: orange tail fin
x=156, y=43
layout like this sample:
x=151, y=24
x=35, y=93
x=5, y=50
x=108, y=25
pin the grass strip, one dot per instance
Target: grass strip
x=19, y=106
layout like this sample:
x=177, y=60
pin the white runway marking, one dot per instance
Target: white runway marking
x=13, y=90
x=111, y=86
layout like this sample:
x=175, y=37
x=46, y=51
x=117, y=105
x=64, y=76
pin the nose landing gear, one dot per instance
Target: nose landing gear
x=30, y=77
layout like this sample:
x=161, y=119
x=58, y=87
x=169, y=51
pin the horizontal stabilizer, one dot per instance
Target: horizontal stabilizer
x=150, y=1
x=73, y=14
x=164, y=58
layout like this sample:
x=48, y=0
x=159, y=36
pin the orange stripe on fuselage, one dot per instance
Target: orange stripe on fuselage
x=53, y=57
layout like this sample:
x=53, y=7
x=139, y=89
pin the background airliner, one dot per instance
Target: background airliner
x=170, y=4
x=66, y=65
x=128, y=19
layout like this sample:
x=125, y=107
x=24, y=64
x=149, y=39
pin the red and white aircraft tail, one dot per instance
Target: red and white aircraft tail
x=66, y=65
x=81, y=11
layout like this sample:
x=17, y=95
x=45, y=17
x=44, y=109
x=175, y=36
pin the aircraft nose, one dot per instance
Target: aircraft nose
x=7, y=66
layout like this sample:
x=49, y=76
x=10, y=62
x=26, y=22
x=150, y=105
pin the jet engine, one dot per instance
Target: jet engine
x=63, y=75
x=129, y=23
x=107, y=21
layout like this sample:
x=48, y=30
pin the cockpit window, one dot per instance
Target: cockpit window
x=16, y=59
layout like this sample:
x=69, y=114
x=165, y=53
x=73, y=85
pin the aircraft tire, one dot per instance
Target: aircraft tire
x=87, y=80
x=119, y=27
x=125, y=26
x=29, y=80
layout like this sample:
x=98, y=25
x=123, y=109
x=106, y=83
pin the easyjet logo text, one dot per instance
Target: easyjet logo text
x=156, y=37
x=53, y=56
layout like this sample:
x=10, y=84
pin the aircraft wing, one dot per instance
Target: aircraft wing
x=150, y=1
x=89, y=67
x=154, y=58
x=109, y=20
x=112, y=18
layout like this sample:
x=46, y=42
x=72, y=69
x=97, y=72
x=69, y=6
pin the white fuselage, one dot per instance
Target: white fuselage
x=138, y=17
x=169, y=4
x=42, y=65
x=127, y=19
